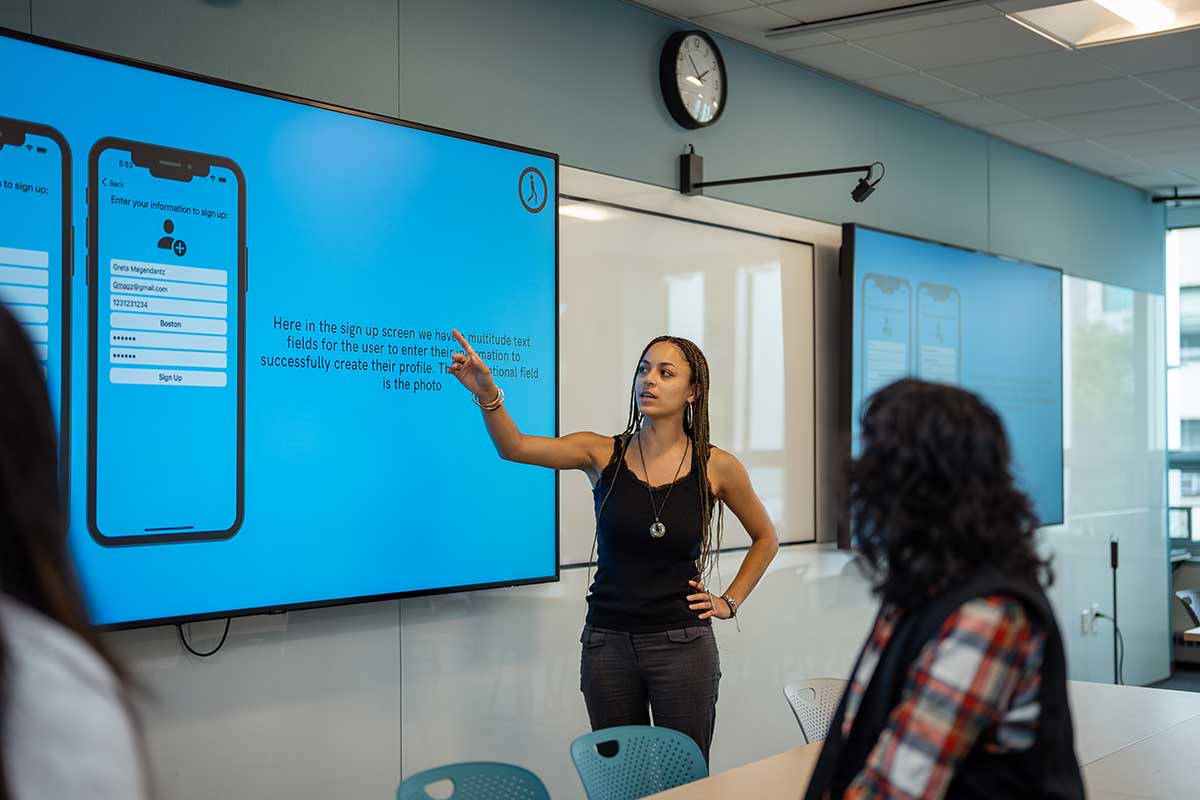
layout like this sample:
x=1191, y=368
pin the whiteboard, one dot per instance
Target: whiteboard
x=627, y=276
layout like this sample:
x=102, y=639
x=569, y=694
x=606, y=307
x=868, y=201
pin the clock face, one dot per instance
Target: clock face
x=698, y=78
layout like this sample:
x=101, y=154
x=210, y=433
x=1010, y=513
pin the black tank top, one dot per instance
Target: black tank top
x=641, y=583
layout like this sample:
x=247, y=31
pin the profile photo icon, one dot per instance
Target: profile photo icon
x=169, y=242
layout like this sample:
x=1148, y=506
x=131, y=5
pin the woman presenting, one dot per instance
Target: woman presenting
x=648, y=645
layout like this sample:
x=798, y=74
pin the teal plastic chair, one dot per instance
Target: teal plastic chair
x=647, y=760
x=476, y=780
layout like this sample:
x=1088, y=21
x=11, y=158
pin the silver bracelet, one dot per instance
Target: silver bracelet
x=492, y=406
x=732, y=605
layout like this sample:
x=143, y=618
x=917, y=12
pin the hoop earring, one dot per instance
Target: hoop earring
x=691, y=416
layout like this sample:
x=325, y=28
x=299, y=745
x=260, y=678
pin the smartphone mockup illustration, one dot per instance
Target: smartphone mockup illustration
x=939, y=333
x=166, y=344
x=886, y=331
x=36, y=254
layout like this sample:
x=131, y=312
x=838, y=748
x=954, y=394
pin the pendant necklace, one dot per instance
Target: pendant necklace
x=658, y=530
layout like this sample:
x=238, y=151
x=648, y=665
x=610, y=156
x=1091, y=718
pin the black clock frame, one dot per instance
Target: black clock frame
x=670, y=89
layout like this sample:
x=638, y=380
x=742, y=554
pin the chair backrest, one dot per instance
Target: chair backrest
x=475, y=780
x=647, y=760
x=1191, y=602
x=814, y=702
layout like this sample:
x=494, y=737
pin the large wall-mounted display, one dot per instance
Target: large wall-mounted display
x=989, y=324
x=243, y=303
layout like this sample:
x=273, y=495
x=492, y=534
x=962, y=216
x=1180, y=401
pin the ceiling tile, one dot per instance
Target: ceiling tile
x=883, y=27
x=1186, y=162
x=916, y=88
x=1094, y=157
x=1030, y=132
x=1012, y=6
x=820, y=10
x=977, y=111
x=1139, y=144
x=1156, y=179
x=964, y=43
x=749, y=25
x=1129, y=120
x=1039, y=71
x=696, y=8
x=811, y=39
x=1152, y=54
x=846, y=61
x=1080, y=98
x=1183, y=84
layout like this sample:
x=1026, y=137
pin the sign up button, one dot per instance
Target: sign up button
x=166, y=377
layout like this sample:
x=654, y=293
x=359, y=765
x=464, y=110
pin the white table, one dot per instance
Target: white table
x=780, y=776
x=1110, y=718
x=1131, y=743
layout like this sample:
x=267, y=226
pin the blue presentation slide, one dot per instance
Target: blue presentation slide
x=243, y=304
x=987, y=324
x=35, y=246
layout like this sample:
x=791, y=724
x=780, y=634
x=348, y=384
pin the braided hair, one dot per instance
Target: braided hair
x=695, y=427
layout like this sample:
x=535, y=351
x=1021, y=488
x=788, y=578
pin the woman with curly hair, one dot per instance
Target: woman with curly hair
x=960, y=689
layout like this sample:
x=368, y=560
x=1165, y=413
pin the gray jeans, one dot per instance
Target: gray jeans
x=674, y=674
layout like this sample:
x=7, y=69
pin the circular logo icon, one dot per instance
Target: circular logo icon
x=531, y=188
x=180, y=247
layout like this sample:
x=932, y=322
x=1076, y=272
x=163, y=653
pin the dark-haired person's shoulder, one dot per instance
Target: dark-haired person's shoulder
x=67, y=732
x=998, y=619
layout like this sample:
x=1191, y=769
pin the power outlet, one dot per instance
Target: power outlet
x=1087, y=619
x=1095, y=613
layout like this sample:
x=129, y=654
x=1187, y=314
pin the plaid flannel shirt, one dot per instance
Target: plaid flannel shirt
x=976, y=683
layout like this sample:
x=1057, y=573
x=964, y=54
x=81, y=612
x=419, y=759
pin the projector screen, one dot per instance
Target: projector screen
x=243, y=305
x=991, y=325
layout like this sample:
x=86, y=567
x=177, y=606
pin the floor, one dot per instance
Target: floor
x=1184, y=678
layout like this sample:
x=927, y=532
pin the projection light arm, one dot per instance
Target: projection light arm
x=691, y=176
x=1176, y=198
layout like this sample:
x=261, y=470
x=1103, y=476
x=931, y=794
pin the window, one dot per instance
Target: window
x=759, y=377
x=759, y=387
x=1183, y=384
x=1116, y=298
x=685, y=306
x=1179, y=523
x=1190, y=434
x=1189, y=323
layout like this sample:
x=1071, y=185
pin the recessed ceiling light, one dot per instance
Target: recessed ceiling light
x=1146, y=14
x=1090, y=22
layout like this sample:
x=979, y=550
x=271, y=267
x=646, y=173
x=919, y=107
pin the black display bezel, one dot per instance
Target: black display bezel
x=846, y=410
x=285, y=607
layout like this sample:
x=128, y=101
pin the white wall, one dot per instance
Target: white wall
x=339, y=702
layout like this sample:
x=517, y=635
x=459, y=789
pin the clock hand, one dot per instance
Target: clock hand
x=695, y=69
x=702, y=74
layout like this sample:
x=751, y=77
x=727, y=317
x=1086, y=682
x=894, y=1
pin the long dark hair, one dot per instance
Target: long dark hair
x=35, y=566
x=695, y=427
x=932, y=498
